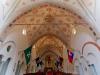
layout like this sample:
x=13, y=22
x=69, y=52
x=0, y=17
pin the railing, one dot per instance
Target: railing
x=52, y=73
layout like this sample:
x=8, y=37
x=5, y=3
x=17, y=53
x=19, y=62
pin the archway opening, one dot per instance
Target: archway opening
x=48, y=48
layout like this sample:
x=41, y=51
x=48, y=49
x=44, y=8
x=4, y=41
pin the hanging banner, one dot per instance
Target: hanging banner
x=70, y=55
x=28, y=54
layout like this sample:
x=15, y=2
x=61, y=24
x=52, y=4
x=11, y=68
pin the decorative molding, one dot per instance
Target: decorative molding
x=93, y=20
x=11, y=10
x=88, y=8
x=92, y=43
x=9, y=42
x=83, y=5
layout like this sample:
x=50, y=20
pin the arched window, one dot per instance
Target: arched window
x=18, y=68
x=5, y=67
x=92, y=69
x=1, y=62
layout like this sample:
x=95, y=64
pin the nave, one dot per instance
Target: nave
x=48, y=37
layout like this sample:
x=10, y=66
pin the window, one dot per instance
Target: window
x=18, y=68
x=8, y=48
x=92, y=69
x=4, y=67
x=1, y=62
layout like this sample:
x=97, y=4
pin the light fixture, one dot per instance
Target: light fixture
x=74, y=31
x=24, y=32
x=34, y=46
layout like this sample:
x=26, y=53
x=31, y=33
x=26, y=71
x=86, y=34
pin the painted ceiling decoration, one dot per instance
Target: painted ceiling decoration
x=49, y=43
x=48, y=12
x=9, y=5
x=49, y=19
x=46, y=19
x=9, y=9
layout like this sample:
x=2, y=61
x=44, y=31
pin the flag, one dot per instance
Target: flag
x=28, y=54
x=70, y=56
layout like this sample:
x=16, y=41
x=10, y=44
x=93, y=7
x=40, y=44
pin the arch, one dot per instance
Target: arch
x=93, y=65
x=50, y=52
x=59, y=4
x=92, y=43
x=56, y=52
x=90, y=54
x=11, y=42
x=46, y=34
x=72, y=14
x=52, y=38
x=56, y=47
x=45, y=5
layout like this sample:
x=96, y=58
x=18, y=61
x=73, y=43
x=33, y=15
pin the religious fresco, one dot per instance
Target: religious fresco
x=7, y=7
x=49, y=19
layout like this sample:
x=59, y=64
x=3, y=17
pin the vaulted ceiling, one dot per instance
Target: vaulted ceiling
x=48, y=19
x=49, y=44
x=38, y=18
x=10, y=9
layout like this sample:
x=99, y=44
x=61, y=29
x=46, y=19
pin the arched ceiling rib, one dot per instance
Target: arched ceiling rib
x=49, y=43
x=46, y=12
x=9, y=9
x=49, y=20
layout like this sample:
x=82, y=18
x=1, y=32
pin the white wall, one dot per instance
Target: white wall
x=87, y=58
x=13, y=54
x=67, y=67
x=82, y=36
x=97, y=12
x=18, y=43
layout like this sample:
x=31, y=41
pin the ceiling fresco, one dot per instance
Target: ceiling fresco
x=49, y=19
x=43, y=19
x=46, y=13
x=49, y=43
x=9, y=8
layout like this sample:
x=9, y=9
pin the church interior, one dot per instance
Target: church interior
x=49, y=37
